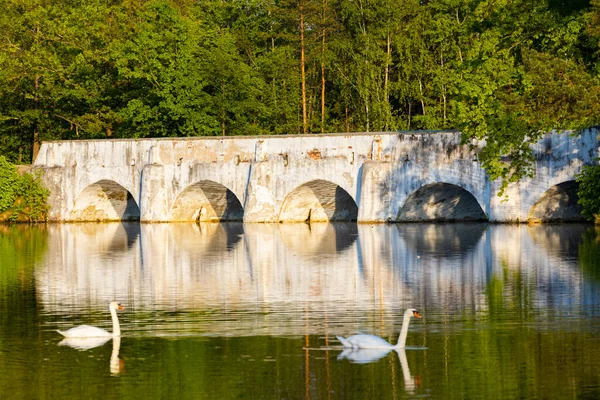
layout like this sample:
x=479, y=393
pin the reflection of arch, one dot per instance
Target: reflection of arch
x=557, y=204
x=207, y=239
x=441, y=202
x=105, y=201
x=318, y=201
x=111, y=240
x=560, y=241
x=319, y=238
x=442, y=239
x=207, y=201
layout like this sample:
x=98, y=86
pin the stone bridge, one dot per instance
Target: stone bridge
x=364, y=177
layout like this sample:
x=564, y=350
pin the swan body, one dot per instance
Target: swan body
x=365, y=341
x=84, y=343
x=87, y=331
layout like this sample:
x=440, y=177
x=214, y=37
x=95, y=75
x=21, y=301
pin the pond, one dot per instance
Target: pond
x=252, y=311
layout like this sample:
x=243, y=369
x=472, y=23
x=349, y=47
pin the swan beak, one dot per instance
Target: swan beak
x=416, y=314
x=121, y=308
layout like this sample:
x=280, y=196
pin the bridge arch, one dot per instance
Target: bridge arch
x=318, y=201
x=557, y=204
x=207, y=201
x=105, y=200
x=441, y=202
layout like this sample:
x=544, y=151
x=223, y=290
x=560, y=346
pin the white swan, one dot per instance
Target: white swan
x=365, y=341
x=86, y=331
x=84, y=343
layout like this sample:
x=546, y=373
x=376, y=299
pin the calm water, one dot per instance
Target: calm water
x=251, y=311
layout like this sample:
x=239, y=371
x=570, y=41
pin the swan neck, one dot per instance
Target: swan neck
x=404, y=332
x=115, y=321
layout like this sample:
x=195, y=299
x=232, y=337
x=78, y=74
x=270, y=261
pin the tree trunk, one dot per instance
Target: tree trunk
x=422, y=96
x=443, y=88
x=36, y=130
x=223, y=112
x=347, y=121
x=386, y=91
x=323, y=21
x=302, y=67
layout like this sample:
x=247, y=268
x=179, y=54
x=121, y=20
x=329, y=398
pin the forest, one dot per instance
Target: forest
x=500, y=71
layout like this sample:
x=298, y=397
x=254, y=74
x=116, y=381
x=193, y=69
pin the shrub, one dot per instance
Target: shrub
x=9, y=182
x=22, y=197
x=589, y=191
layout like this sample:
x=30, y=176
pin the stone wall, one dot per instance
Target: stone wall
x=368, y=177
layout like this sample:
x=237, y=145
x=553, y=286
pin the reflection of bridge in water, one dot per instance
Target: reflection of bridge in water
x=264, y=275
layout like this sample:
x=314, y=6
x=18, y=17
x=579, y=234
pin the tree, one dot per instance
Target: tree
x=523, y=76
x=54, y=72
x=589, y=191
x=502, y=72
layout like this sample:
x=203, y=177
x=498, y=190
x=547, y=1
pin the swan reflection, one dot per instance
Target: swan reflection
x=409, y=380
x=116, y=364
x=82, y=344
x=363, y=356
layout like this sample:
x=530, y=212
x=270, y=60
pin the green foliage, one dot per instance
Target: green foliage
x=22, y=197
x=9, y=184
x=503, y=72
x=589, y=191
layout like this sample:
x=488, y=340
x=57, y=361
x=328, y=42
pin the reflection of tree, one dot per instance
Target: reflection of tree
x=510, y=360
x=21, y=246
x=510, y=295
x=589, y=254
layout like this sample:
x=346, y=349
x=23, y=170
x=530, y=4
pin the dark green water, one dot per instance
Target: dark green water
x=251, y=311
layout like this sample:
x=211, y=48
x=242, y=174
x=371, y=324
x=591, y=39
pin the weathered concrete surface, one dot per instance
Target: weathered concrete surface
x=373, y=177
